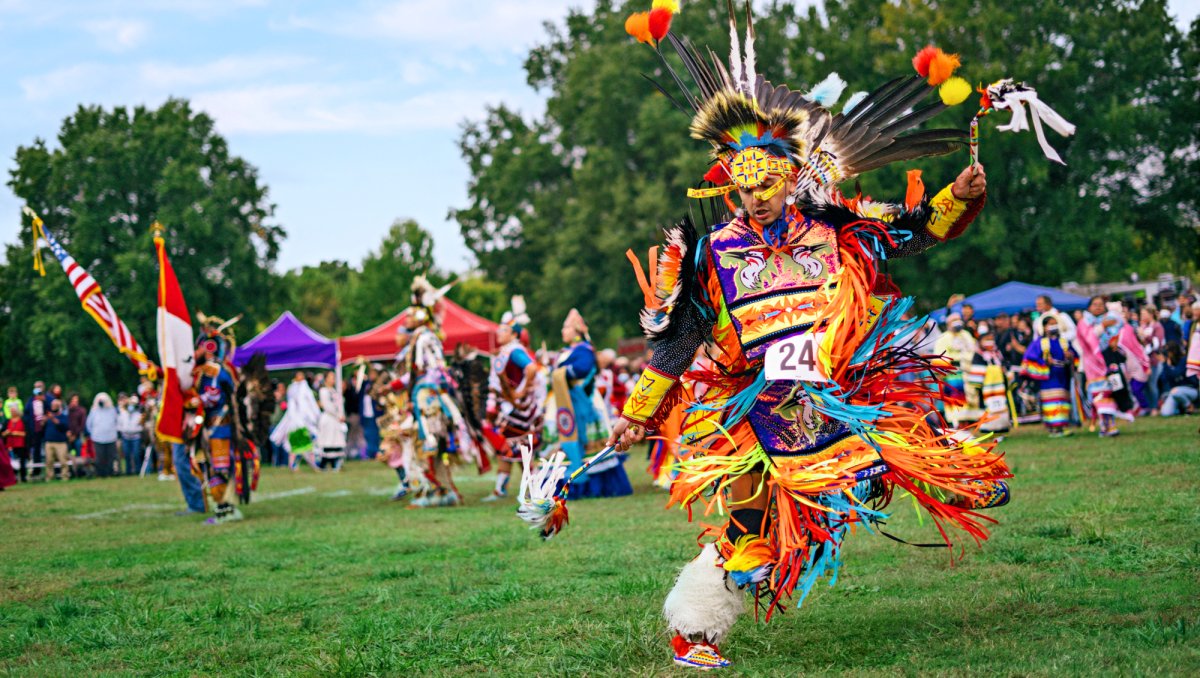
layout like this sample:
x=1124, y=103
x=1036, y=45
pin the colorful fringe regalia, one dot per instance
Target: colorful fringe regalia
x=665, y=450
x=225, y=458
x=806, y=295
x=990, y=383
x=516, y=399
x=581, y=423
x=444, y=432
x=1049, y=362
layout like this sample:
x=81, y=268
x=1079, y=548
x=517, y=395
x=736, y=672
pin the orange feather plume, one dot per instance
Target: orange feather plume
x=941, y=67
x=638, y=25
x=932, y=63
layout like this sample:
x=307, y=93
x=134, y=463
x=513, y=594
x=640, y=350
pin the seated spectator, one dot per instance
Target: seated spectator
x=1180, y=390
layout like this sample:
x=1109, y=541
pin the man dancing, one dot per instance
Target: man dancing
x=228, y=465
x=805, y=426
x=445, y=438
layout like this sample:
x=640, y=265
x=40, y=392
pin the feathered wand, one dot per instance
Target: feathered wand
x=1008, y=95
x=543, y=504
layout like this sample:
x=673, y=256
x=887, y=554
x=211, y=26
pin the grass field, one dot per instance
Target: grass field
x=1095, y=569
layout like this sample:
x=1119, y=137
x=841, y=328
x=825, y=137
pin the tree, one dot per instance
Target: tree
x=554, y=201
x=483, y=297
x=316, y=294
x=113, y=174
x=383, y=286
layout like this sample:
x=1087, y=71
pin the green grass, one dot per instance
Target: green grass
x=1094, y=569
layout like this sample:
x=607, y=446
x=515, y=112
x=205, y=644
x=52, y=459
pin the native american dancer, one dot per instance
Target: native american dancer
x=445, y=438
x=581, y=421
x=1108, y=349
x=226, y=459
x=516, y=398
x=398, y=441
x=990, y=385
x=805, y=427
x=1050, y=361
x=958, y=346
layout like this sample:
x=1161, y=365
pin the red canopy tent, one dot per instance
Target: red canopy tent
x=459, y=326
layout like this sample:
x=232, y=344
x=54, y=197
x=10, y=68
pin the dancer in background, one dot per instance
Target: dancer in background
x=331, y=426
x=990, y=385
x=581, y=423
x=300, y=423
x=516, y=397
x=1050, y=361
x=445, y=440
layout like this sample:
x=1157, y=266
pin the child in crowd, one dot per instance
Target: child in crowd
x=1119, y=395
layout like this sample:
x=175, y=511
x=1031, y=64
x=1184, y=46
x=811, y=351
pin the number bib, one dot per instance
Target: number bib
x=1115, y=381
x=795, y=359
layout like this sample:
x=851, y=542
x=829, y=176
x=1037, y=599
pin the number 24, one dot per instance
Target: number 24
x=804, y=359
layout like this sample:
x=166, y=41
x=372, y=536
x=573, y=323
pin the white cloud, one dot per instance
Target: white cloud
x=118, y=35
x=62, y=82
x=510, y=25
x=224, y=70
x=416, y=72
x=151, y=80
x=41, y=12
x=315, y=107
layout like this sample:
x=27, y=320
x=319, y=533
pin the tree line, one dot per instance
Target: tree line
x=554, y=200
x=111, y=175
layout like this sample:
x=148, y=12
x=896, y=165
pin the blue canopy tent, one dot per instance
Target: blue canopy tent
x=289, y=345
x=1015, y=297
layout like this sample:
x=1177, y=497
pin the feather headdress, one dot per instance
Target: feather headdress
x=576, y=323
x=215, y=335
x=517, y=316
x=753, y=124
x=426, y=298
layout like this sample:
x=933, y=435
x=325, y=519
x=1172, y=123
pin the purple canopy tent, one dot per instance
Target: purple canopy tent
x=289, y=345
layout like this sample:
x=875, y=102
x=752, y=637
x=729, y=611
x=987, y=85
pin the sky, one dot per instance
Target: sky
x=350, y=110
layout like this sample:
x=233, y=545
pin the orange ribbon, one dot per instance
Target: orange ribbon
x=648, y=285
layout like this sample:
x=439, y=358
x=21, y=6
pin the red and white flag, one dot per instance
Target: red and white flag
x=175, y=348
x=90, y=295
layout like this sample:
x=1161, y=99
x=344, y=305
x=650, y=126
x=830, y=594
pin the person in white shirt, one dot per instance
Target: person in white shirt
x=129, y=428
x=331, y=427
x=302, y=414
x=1045, y=309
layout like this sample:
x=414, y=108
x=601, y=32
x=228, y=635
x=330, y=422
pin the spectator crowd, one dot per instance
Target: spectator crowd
x=1139, y=349
x=50, y=434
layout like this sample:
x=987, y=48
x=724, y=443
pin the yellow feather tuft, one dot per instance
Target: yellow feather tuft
x=671, y=6
x=749, y=553
x=954, y=91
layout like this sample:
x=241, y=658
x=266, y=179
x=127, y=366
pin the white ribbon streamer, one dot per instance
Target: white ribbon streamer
x=1016, y=101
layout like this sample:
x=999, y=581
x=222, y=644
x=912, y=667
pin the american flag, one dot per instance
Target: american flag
x=93, y=299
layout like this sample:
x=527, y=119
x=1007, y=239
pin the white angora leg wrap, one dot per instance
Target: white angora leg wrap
x=703, y=603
